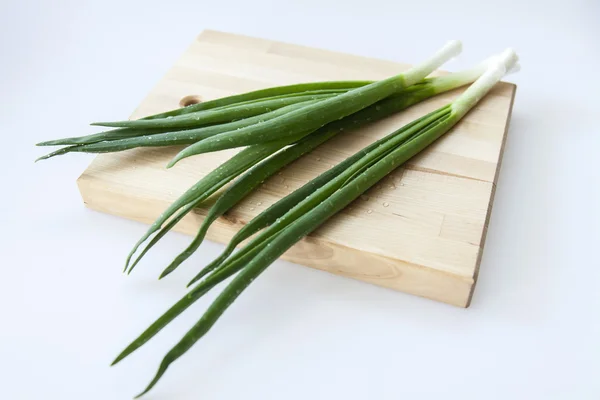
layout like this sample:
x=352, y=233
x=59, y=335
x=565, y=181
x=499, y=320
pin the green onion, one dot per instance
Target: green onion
x=248, y=114
x=333, y=193
x=336, y=104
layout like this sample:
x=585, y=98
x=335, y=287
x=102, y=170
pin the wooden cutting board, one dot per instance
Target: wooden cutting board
x=421, y=230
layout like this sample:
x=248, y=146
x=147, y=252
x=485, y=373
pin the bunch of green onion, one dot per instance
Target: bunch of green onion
x=298, y=214
x=277, y=126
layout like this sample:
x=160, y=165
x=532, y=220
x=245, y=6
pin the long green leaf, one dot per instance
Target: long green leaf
x=297, y=89
x=218, y=115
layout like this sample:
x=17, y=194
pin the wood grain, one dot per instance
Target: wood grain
x=421, y=230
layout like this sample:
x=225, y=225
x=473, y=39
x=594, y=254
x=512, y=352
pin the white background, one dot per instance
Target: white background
x=532, y=332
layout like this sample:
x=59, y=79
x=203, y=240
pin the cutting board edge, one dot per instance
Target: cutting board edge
x=488, y=216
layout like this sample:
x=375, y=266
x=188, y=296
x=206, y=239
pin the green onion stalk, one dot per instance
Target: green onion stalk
x=295, y=216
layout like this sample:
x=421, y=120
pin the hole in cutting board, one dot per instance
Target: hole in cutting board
x=190, y=100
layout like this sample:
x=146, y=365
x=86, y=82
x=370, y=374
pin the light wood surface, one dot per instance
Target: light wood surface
x=421, y=230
